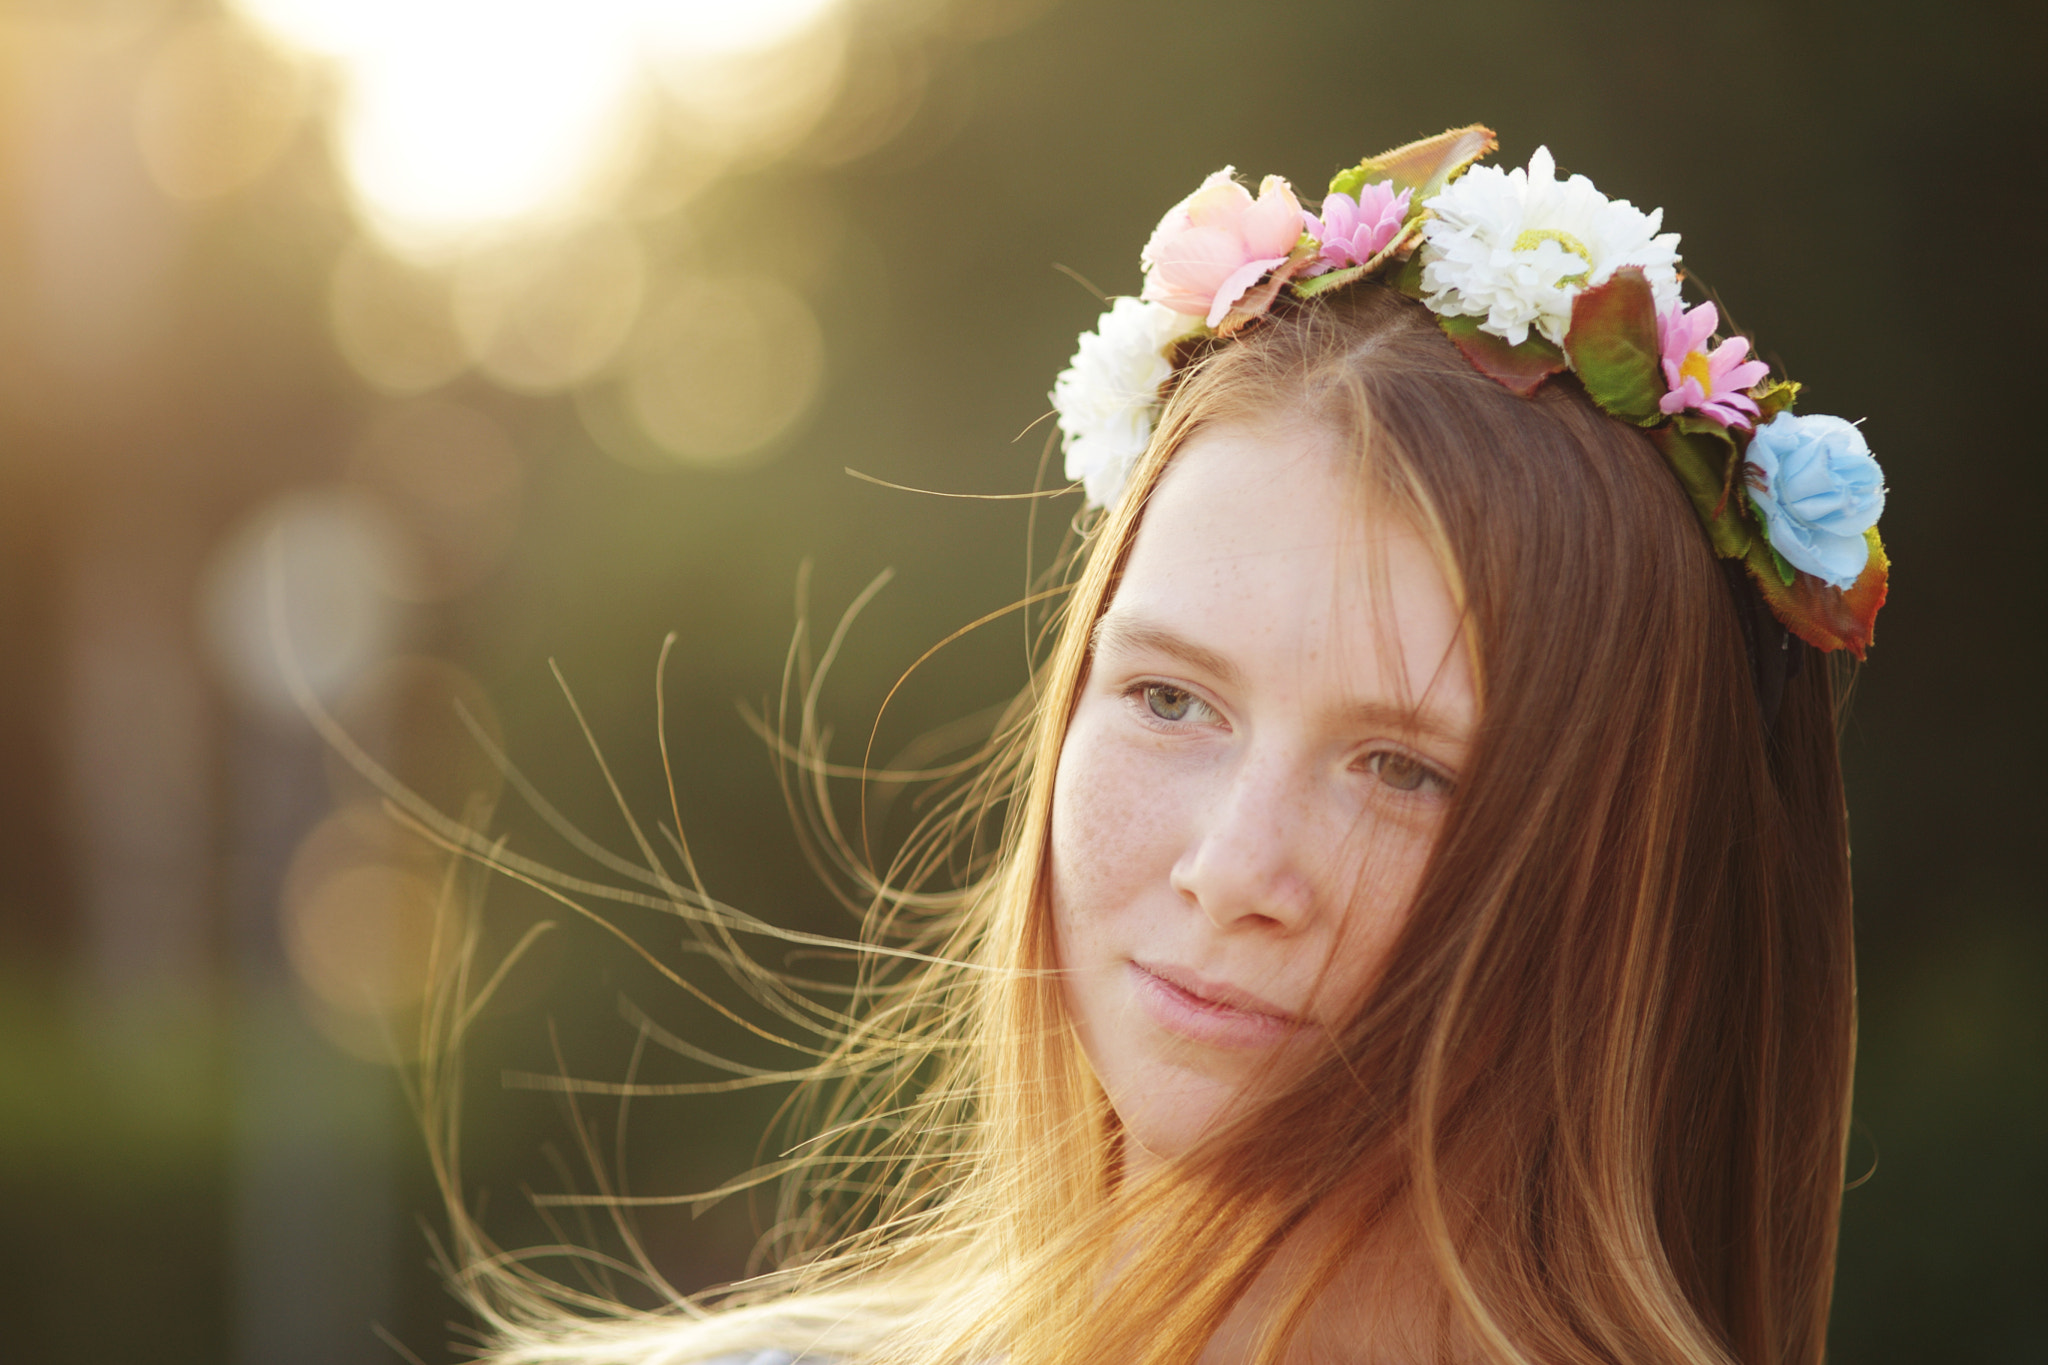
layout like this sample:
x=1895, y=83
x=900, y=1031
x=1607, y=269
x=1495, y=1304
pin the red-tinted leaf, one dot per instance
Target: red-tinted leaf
x=1259, y=298
x=1825, y=617
x=1522, y=368
x=1613, y=347
x=1424, y=166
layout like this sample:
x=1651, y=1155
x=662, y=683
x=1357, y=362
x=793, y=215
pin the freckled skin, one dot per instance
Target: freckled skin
x=1251, y=813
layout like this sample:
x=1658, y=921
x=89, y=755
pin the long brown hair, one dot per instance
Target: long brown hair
x=1604, y=1077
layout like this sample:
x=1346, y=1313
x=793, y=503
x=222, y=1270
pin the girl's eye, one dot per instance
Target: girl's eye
x=1173, y=703
x=1407, y=774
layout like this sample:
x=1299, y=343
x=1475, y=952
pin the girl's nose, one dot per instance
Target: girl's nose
x=1242, y=864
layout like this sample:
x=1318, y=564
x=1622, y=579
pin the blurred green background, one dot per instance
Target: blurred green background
x=536, y=331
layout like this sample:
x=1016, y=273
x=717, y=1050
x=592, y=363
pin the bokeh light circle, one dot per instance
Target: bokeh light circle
x=215, y=108
x=542, y=312
x=393, y=321
x=723, y=367
x=312, y=583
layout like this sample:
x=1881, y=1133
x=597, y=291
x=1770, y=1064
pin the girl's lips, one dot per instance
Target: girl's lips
x=1207, y=1012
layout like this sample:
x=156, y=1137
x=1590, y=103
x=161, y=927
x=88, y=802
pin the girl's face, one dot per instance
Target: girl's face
x=1273, y=720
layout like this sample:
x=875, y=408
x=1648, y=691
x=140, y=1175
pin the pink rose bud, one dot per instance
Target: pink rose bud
x=1215, y=244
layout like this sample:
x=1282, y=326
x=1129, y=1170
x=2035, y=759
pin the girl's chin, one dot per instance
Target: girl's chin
x=1160, y=1128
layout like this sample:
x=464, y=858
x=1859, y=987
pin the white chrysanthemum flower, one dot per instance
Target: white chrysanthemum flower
x=1108, y=395
x=1515, y=247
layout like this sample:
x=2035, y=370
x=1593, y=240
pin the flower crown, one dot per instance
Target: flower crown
x=1530, y=276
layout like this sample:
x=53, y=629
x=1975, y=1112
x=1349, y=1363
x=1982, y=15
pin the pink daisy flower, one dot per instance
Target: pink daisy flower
x=1353, y=231
x=1712, y=383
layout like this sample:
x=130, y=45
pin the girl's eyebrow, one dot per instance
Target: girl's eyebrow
x=1426, y=721
x=1123, y=631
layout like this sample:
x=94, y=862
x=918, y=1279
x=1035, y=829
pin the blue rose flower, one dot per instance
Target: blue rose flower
x=1819, y=492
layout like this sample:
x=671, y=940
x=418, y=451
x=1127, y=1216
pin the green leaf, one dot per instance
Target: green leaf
x=1522, y=368
x=1692, y=424
x=1357, y=178
x=1408, y=279
x=1613, y=347
x=1701, y=460
x=1779, y=564
x=1773, y=397
x=1403, y=241
x=1336, y=279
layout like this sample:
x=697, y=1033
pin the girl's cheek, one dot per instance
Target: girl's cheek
x=1114, y=812
x=1382, y=881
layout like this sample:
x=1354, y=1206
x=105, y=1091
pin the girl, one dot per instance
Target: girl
x=1417, y=926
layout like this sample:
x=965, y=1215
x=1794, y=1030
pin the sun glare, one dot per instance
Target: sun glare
x=712, y=27
x=459, y=114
